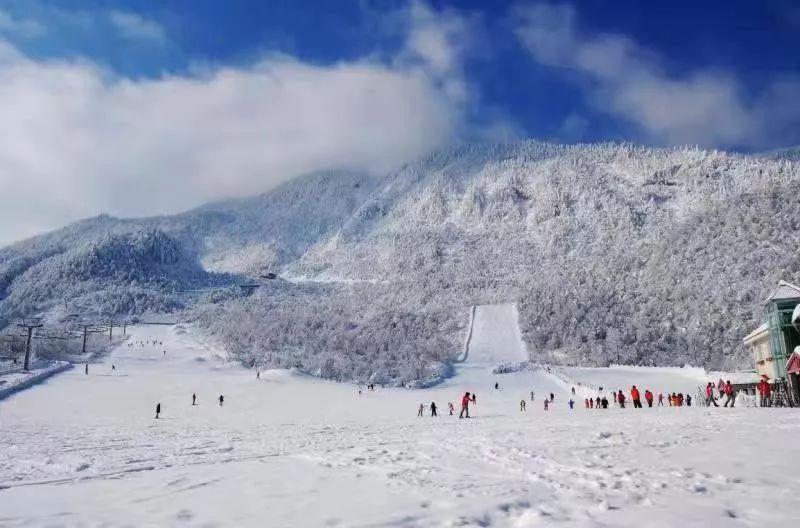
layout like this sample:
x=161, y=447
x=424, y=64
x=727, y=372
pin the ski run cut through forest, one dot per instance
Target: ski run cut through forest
x=282, y=448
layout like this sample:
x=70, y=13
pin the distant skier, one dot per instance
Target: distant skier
x=258, y=376
x=451, y=408
x=496, y=385
x=621, y=399
x=86, y=369
x=464, y=405
x=421, y=409
x=522, y=405
x=158, y=410
x=474, y=399
x=649, y=397
x=113, y=367
x=573, y=391
x=221, y=400
x=571, y=403
x=546, y=404
x=194, y=399
x=688, y=400
x=597, y=402
x=433, y=410
x=730, y=394
x=604, y=402
x=533, y=395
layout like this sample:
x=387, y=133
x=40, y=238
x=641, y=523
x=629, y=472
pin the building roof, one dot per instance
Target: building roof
x=755, y=333
x=784, y=290
x=793, y=365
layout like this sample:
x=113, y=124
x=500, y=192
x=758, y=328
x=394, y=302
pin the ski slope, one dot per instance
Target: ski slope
x=290, y=450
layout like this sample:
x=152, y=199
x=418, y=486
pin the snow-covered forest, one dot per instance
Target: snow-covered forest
x=614, y=253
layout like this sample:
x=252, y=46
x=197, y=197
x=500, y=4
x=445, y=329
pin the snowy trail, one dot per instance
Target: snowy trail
x=289, y=450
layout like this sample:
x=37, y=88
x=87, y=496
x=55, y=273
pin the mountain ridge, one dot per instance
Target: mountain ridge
x=614, y=252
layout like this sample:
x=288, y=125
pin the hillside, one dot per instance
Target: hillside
x=613, y=253
x=216, y=244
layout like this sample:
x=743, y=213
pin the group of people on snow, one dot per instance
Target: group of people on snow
x=636, y=397
x=725, y=389
x=220, y=399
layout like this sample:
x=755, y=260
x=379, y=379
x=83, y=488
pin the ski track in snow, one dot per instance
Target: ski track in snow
x=288, y=450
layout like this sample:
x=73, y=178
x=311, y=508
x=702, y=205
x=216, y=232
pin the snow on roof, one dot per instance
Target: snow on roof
x=755, y=333
x=796, y=315
x=785, y=290
x=737, y=378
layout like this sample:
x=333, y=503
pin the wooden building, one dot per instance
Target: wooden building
x=774, y=341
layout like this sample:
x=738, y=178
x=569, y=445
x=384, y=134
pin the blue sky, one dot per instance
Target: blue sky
x=103, y=99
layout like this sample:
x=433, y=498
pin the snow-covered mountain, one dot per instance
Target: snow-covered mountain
x=212, y=245
x=613, y=252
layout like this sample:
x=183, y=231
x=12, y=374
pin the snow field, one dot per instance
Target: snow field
x=290, y=450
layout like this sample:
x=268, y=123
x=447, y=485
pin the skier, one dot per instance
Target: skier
x=521, y=405
x=258, y=376
x=586, y=403
x=194, y=399
x=571, y=404
x=552, y=397
x=496, y=385
x=730, y=395
x=573, y=391
x=113, y=367
x=451, y=408
x=464, y=405
x=604, y=402
x=546, y=404
x=86, y=370
x=221, y=400
x=474, y=399
x=621, y=399
x=421, y=409
x=660, y=399
x=710, y=395
x=688, y=400
x=597, y=402
x=158, y=410
x=637, y=402
x=533, y=395
x=433, y=409
x=649, y=397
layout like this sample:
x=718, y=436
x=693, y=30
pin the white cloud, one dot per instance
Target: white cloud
x=77, y=140
x=706, y=107
x=135, y=27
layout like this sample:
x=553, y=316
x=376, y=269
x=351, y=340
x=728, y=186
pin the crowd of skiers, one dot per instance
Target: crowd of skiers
x=636, y=397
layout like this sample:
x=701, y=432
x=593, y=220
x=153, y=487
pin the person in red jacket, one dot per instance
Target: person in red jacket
x=635, y=396
x=465, y=405
x=765, y=391
x=621, y=399
x=730, y=395
x=649, y=397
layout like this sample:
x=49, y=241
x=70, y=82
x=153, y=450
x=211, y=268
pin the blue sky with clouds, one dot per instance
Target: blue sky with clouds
x=108, y=101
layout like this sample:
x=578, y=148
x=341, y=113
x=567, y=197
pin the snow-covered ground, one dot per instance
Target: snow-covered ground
x=290, y=450
x=13, y=379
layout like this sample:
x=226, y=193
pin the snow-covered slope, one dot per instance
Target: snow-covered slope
x=291, y=450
